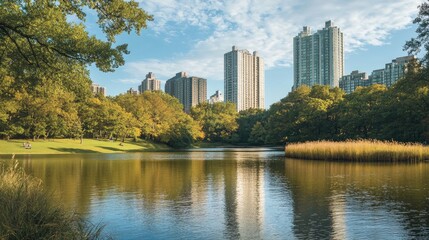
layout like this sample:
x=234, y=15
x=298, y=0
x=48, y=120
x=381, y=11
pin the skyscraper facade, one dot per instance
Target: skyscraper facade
x=150, y=83
x=318, y=58
x=244, y=79
x=189, y=90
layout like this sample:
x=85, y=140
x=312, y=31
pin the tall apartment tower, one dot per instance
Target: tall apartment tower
x=150, y=83
x=318, y=58
x=189, y=90
x=244, y=79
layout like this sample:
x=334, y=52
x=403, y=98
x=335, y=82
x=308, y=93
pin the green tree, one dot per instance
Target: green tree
x=160, y=118
x=9, y=109
x=41, y=45
x=49, y=111
x=42, y=34
x=405, y=111
x=359, y=114
x=104, y=118
x=258, y=134
x=246, y=121
x=305, y=114
x=218, y=120
x=415, y=45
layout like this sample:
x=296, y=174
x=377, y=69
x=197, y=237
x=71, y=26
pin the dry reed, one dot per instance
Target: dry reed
x=27, y=211
x=359, y=150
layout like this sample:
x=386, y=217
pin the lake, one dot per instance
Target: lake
x=238, y=194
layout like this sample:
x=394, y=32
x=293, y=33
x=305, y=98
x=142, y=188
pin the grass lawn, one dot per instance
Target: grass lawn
x=66, y=146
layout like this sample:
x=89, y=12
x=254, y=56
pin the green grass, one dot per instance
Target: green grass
x=361, y=150
x=27, y=211
x=66, y=146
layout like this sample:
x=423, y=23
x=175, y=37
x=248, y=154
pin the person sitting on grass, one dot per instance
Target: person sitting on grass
x=26, y=145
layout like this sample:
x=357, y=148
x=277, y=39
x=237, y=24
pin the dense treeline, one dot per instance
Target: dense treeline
x=400, y=113
x=50, y=110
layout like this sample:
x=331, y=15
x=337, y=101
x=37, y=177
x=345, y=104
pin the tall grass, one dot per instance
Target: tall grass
x=26, y=210
x=359, y=150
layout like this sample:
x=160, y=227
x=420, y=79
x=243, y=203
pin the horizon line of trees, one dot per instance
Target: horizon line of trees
x=400, y=113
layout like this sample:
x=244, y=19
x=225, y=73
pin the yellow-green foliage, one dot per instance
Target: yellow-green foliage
x=360, y=150
x=28, y=213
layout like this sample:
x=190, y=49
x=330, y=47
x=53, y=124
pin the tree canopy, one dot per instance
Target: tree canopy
x=45, y=34
x=421, y=42
x=218, y=120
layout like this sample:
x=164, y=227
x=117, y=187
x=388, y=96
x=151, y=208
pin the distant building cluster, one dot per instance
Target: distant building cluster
x=318, y=59
x=244, y=83
x=391, y=73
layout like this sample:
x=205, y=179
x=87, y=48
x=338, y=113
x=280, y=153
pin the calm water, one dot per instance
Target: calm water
x=239, y=195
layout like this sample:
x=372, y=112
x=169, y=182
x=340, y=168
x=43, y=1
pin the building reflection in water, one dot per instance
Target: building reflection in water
x=338, y=213
x=243, y=195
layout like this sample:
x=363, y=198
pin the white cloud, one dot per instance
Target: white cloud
x=268, y=27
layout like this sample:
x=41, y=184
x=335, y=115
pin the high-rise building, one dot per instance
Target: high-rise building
x=388, y=75
x=356, y=79
x=97, y=89
x=318, y=58
x=396, y=69
x=216, y=97
x=244, y=79
x=189, y=90
x=150, y=83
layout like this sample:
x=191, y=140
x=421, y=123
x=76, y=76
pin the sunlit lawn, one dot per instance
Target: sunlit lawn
x=362, y=150
x=61, y=146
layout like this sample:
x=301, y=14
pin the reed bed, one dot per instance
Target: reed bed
x=26, y=210
x=359, y=150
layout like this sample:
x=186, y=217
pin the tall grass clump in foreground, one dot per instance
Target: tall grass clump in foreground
x=27, y=212
x=359, y=150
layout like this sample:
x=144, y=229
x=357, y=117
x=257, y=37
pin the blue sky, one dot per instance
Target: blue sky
x=193, y=35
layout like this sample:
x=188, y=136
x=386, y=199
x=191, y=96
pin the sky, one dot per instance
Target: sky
x=193, y=36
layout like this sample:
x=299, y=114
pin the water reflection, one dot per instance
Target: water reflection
x=354, y=200
x=239, y=194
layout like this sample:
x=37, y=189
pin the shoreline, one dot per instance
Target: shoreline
x=71, y=146
x=93, y=146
